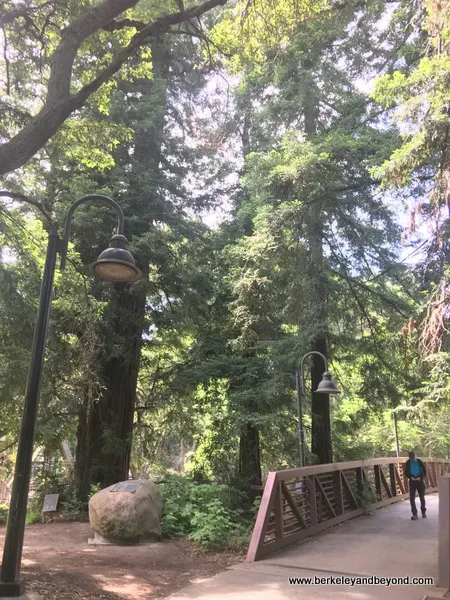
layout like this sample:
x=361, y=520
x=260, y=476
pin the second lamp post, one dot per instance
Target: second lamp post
x=326, y=386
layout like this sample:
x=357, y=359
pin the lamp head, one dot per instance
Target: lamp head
x=327, y=385
x=116, y=263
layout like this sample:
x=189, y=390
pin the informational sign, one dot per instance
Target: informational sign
x=127, y=486
x=50, y=503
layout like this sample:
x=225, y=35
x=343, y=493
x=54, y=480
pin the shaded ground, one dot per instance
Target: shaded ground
x=59, y=564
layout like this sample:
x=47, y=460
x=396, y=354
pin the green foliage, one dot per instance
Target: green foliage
x=266, y=25
x=212, y=515
x=70, y=507
x=74, y=509
x=90, y=138
x=54, y=477
x=34, y=516
x=4, y=508
x=94, y=489
x=212, y=524
x=417, y=94
x=262, y=309
x=215, y=457
x=311, y=251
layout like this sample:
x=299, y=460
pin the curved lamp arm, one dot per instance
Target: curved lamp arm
x=23, y=198
x=318, y=354
x=302, y=382
x=68, y=223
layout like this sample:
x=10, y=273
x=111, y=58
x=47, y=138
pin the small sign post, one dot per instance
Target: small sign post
x=50, y=503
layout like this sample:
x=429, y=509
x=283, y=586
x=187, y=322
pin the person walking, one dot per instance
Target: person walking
x=415, y=471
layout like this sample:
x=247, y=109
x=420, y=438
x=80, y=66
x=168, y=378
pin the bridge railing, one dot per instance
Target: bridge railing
x=298, y=503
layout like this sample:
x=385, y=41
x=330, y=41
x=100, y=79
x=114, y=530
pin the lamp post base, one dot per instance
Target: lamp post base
x=13, y=589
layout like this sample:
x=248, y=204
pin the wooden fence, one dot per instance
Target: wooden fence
x=298, y=503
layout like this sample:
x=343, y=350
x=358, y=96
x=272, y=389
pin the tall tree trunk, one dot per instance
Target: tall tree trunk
x=106, y=425
x=250, y=459
x=113, y=414
x=320, y=406
x=249, y=440
x=320, y=403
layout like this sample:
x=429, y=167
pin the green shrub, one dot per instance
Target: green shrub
x=95, y=487
x=210, y=514
x=4, y=508
x=213, y=525
x=176, y=493
x=74, y=509
x=70, y=507
x=33, y=516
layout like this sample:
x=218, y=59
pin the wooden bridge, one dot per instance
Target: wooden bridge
x=298, y=503
x=386, y=544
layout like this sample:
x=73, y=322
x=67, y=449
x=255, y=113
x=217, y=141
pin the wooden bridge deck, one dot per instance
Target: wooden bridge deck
x=387, y=544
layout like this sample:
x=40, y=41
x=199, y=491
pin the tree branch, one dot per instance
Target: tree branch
x=123, y=23
x=9, y=16
x=59, y=103
x=3, y=450
x=72, y=37
x=158, y=27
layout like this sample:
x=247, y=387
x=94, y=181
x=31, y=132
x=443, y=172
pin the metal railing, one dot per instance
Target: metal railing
x=298, y=503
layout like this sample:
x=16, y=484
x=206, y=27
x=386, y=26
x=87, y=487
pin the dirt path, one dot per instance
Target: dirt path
x=59, y=564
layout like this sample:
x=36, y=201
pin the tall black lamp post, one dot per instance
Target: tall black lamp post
x=326, y=386
x=114, y=264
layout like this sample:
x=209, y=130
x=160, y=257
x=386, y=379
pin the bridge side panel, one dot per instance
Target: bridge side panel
x=298, y=503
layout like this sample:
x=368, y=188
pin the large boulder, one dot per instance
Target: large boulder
x=128, y=512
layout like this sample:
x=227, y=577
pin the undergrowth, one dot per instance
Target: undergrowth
x=212, y=515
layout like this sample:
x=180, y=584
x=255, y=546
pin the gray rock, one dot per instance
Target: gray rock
x=127, y=517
